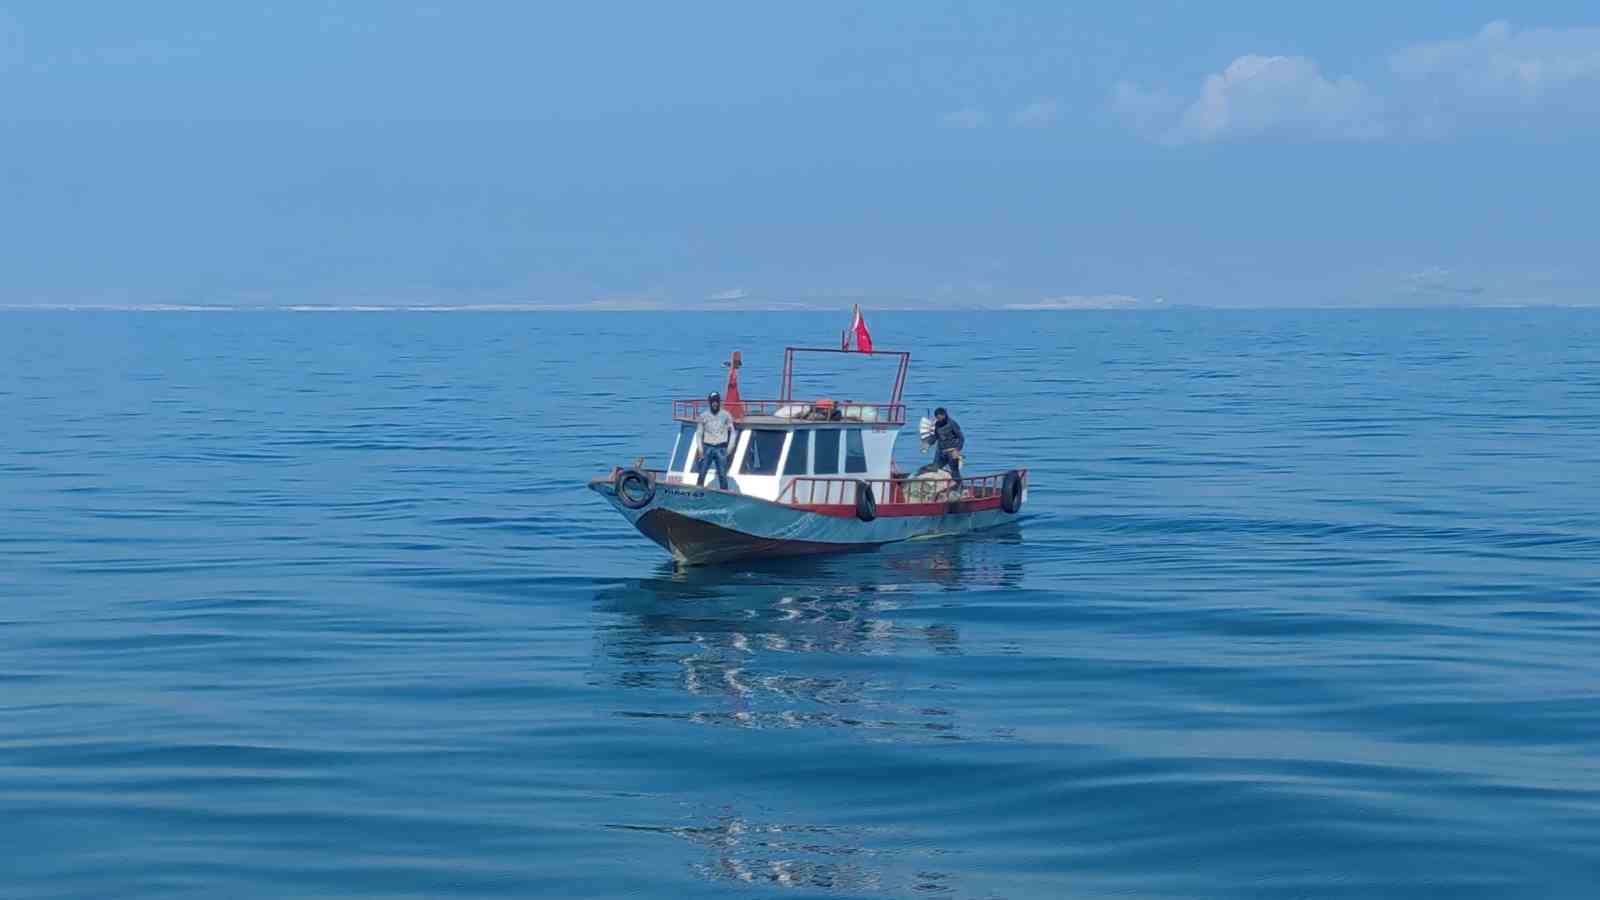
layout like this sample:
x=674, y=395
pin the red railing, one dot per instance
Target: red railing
x=837, y=491
x=803, y=411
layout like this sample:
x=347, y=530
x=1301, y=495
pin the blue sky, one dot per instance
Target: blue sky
x=747, y=154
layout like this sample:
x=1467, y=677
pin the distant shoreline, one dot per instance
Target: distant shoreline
x=593, y=308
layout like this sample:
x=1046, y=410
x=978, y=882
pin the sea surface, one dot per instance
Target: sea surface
x=1303, y=605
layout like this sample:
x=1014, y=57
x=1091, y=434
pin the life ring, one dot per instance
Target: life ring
x=1011, y=492
x=635, y=489
x=866, y=504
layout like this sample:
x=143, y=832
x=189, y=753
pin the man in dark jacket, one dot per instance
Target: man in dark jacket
x=949, y=440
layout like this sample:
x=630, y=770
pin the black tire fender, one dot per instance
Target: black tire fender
x=1011, y=492
x=866, y=504
x=635, y=489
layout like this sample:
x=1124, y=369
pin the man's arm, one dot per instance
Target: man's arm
x=961, y=436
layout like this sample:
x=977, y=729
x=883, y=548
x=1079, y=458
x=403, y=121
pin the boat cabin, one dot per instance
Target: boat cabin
x=799, y=451
x=770, y=453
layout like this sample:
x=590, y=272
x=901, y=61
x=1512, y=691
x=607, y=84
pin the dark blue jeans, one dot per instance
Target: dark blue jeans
x=714, y=456
x=950, y=463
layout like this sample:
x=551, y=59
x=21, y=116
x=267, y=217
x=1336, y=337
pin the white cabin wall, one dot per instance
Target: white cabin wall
x=766, y=487
x=686, y=466
x=789, y=449
x=740, y=438
x=879, y=445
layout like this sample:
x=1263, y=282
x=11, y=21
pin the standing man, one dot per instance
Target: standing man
x=949, y=439
x=716, y=439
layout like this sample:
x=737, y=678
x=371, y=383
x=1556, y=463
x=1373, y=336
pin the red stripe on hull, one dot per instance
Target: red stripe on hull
x=889, y=511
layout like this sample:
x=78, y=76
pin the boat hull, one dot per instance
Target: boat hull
x=699, y=526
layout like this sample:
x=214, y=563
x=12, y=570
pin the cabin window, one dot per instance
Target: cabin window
x=680, y=449
x=799, y=450
x=827, y=461
x=762, y=452
x=855, y=454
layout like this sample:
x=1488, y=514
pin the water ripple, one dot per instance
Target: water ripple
x=1303, y=606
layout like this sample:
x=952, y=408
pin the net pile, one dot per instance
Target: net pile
x=927, y=487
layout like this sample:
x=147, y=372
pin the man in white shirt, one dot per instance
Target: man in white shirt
x=716, y=439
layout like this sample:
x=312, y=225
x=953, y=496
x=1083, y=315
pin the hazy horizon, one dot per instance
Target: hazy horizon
x=797, y=309
x=902, y=155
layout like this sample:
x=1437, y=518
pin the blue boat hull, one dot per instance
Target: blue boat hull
x=699, y=526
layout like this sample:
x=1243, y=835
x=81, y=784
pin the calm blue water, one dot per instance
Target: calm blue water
x=1305, y=605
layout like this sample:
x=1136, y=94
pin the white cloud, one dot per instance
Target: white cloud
x=1539, y=80
x=1546, y=79
x=729, y=295
x=965, y=118
x=1280, y=96
x=1038, y=114
x=1500, y=59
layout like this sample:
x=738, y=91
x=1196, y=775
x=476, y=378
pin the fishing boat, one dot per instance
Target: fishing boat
x=807, y=475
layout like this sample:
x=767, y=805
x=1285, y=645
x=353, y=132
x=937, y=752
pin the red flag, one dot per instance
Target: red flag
x=731, y=401
x=862, y=335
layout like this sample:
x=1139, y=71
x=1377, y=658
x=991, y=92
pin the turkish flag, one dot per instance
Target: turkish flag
x=862, y=335
x=731, y=401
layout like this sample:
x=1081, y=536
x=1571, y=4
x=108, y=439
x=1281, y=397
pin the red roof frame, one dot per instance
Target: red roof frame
x=899, y=378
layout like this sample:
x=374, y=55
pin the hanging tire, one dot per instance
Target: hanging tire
x=1011, y=492
x=866, y=504
x=635, y=489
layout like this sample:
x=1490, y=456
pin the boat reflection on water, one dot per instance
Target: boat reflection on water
x=762, y=633
x=837, y=646
x=801, y=856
